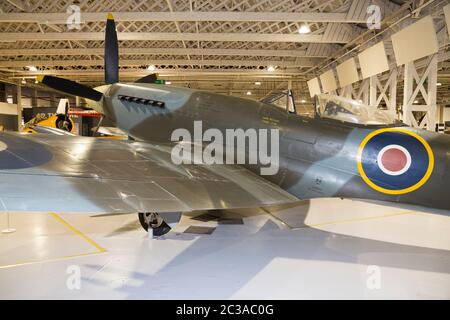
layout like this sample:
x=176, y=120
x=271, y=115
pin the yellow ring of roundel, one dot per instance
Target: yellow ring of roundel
x=401, y=191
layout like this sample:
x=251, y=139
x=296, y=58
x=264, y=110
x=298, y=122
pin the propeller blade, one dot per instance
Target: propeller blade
x=111, y=52
x=70, y=87
x=151, y=78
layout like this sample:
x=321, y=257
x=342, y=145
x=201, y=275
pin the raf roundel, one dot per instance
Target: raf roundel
x=395, y=161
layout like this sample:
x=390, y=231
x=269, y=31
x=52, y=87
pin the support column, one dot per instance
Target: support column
x=14, y=94
x=347, y=92
x=363, y=93
x=359, y=93
x=19, y=107
x=384, y=88
x=373, y=91
x=408, y=117
x=432, y=93
x=53, y=100
x=428, y=92
x=392, y=106
x=3, y=93
x=440, y=117
x=34, y=100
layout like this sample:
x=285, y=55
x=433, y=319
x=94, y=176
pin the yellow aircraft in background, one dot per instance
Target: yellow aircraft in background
x=62, y=124
x=61, y=120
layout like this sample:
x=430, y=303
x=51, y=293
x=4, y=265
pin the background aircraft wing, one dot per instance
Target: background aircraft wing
x=50, y=130
x=59, y=173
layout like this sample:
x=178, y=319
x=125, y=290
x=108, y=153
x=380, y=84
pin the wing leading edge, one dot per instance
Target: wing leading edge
x=89, y=175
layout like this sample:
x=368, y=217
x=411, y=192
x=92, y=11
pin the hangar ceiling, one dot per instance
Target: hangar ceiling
x=221, y=45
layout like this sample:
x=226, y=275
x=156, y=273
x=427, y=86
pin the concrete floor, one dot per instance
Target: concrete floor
x=327, y=248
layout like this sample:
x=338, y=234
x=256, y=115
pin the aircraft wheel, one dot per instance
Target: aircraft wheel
x=154, y=221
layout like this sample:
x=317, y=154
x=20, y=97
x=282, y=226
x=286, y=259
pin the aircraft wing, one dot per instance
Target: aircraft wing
x=59, y=173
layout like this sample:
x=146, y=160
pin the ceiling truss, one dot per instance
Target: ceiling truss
x=206, y=44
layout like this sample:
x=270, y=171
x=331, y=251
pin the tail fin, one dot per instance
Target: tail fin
x=61, y=109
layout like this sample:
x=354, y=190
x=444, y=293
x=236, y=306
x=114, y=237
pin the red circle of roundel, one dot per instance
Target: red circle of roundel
x=394, y=159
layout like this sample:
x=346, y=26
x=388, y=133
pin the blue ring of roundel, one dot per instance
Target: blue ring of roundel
x=419, y=160
x=22, y=153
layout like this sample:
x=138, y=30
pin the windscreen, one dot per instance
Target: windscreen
x=352, y=111
x=283, y=100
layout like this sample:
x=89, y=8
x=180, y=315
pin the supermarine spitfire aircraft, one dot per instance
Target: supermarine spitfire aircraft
x=347, y=150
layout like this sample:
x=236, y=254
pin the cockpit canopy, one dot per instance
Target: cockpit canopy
x=351, y=111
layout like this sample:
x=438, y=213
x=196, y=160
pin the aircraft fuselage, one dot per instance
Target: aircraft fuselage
x=317, y=157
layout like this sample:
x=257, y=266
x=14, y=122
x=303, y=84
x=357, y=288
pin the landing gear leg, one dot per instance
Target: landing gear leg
x=152, y=222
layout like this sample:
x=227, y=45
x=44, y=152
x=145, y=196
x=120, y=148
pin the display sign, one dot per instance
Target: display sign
x=328, y=81
x=373, y=60
x=313, y=86
x=347, y=72
x=415, y=41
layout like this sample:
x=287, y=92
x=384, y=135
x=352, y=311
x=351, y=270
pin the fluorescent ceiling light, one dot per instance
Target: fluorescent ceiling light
x=151, y=67
x=302, y=101
x=270, y=68
x=249, y=93
x=32, y=68
x=304, y=29
x=257, y=83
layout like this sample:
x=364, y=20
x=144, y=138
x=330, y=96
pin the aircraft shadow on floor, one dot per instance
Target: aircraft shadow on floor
x=231, y=260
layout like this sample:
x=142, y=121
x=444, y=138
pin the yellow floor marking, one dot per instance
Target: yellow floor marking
x=26, y=263
x=74, y=230
x=78, y=232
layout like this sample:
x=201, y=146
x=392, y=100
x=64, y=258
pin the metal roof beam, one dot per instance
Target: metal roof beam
x=164, y=36
x=165, y=51
x=19, y=4
x=171, y=62
x=84, y=74
x=61, y=18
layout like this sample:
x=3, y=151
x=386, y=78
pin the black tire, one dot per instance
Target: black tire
x=60, y=123
x=161, y=230
x=144, y=224
x=157, y=232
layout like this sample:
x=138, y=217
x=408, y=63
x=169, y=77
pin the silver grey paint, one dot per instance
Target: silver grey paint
x=72, y=174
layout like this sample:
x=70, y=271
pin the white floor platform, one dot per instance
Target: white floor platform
x=326, y=248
